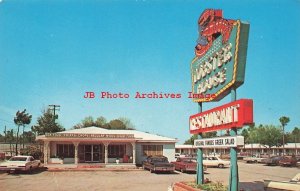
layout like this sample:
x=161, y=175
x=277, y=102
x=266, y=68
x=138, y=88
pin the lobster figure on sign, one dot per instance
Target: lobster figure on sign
x=211, y=25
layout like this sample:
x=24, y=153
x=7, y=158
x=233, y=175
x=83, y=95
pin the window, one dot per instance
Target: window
x=18, y=159
x=152, y=150
x=65, y=150
x=116, y=151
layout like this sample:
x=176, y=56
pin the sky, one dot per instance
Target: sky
x=52, y=52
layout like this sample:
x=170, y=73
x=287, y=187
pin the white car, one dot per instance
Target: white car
x=215, y=162
x=20, y=163
x=253, y=159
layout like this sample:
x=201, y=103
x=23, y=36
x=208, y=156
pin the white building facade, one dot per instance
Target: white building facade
x=98, y=145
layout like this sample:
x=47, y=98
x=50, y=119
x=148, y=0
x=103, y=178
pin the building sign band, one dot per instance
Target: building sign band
x=221, y=52
x=220, y=142
x=80, y=135
x=234, y=114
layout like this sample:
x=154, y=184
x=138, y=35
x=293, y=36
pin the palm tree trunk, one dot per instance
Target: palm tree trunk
x=23, y=136
x=283, y=142
x=10, y=149
x=17, y=139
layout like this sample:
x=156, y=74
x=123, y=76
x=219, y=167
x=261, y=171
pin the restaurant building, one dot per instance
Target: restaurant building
x=98, y=145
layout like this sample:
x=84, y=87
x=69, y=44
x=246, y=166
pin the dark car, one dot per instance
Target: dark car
x=186, y=164
x=288, y=161
x=158, y=164
x=274, y=160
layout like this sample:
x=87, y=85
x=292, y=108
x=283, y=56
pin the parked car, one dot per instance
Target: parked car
x=186, y=164
x=158, y=164
x=298, y=161
x=288, y=161
x=20, y=163
x=274, y=160
x=215, y=162
x=253, y=159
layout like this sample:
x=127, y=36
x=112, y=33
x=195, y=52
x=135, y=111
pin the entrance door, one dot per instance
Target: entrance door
x=96, y=153
x=88, y=153
x=91, y=153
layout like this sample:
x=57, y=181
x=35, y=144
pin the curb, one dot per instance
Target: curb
x=90, y=169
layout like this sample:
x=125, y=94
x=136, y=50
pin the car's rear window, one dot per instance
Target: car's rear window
x=160, y=160
x=188, y=160
x=18, y=159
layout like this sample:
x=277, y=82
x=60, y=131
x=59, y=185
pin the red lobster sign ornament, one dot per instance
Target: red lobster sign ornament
x=211, y=25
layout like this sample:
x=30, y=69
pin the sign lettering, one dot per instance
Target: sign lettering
x=77, y=135
x=221, y=52
x=220, y=142
x=235, y=114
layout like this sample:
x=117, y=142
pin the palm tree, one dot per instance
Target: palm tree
x=284, y=121
x=21, y=119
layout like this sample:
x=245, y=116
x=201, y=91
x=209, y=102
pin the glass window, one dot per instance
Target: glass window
x=71, y=150
x=18, y=159
x=60, y=150
x=152, y=150
x=65, y=150
x=116, y=151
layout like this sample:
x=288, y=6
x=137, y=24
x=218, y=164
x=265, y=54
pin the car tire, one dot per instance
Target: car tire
x=221, y=165
x=30, y=170
x=182, y=170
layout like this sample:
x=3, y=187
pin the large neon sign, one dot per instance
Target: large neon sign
x=221, y=53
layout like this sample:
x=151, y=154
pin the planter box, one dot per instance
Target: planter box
x=69, y=161
x=113, y=160
x=181, y=186
x=56, y=161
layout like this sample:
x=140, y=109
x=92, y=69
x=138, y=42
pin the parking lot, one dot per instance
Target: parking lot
x=251, y=178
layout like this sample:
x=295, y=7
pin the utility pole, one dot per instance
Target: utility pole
x=54, y=108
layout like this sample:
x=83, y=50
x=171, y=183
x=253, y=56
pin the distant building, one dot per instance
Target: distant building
x=98, y=145
x=254, y=149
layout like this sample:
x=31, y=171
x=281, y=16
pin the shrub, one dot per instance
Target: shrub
x=212, y=186
x=32, y=150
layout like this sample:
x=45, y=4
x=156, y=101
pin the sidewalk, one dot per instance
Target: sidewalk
x=90, y=167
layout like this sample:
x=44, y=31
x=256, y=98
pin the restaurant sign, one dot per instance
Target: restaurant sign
x=220, y=60
x=220, y=142
x=80, y=135
x=234, y=114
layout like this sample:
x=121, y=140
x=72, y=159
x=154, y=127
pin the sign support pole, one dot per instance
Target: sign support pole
x=234, y=175
x=200, y=173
